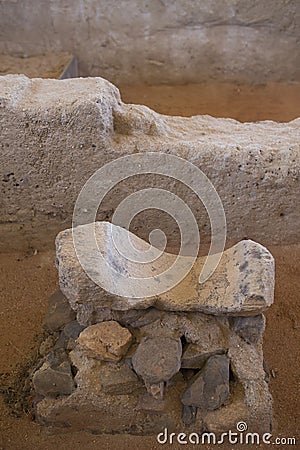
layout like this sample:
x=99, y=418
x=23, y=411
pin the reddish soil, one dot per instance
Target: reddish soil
x=246, y=103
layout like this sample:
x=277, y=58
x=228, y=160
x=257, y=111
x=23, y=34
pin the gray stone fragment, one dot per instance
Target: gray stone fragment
x=146, y=317
x=210, y=388
x=206, y=338
x=194, y=357
x=73, y=329
x=157, y=359
x=58, y=360
x=188, y=374
x=127, y=317
x=54, y=378
x=62, y=342
x=68, y=335
x=166, y=325
x=204, y=330
x=91, y=316
x=188, y=414
x=250, y=328
x=118, y=380
x=87, y=315
x=59, y=312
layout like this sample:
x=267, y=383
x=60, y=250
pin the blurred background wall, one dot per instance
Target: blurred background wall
x=160, y=41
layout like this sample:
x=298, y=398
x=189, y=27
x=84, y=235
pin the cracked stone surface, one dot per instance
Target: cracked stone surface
x=167, y=325
x=205, y=330
x=247, y=364
x=209, y=389
x=242, y=284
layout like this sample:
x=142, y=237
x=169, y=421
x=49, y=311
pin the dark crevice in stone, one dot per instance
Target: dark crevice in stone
x=188, y=374
x=74, y=370
x=184, y=342
x=232, y=377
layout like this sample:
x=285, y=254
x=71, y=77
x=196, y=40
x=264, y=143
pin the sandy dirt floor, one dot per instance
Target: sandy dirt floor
x=27, y=280
x=273, y=101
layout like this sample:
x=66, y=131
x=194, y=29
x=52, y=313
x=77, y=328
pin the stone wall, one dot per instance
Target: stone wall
x=56, y=133
x=117, y=364
x=150, y=370
x=160, y=41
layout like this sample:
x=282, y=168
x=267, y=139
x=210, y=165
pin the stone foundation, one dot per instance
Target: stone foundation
x=140, y=368
x=150, y=369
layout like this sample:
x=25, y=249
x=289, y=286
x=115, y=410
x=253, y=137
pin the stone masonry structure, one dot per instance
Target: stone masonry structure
x=193, y=363
x=56, y=133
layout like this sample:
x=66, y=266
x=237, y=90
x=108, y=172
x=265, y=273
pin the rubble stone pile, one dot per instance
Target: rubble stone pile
x=111, y=366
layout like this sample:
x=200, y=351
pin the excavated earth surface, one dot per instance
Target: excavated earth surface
x=27, y=280
x=243, y=102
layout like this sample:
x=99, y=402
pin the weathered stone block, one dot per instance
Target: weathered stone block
x=166, y=325
x=194, y=358
x=67, y=336
x=247, y=365
x=242, y=284
x=118, y=380
x=86, y=119
x=107, y=340
x=157, y=359
x=209, y=389
x=251, y=329
x=54, y=378
x=59, y=312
